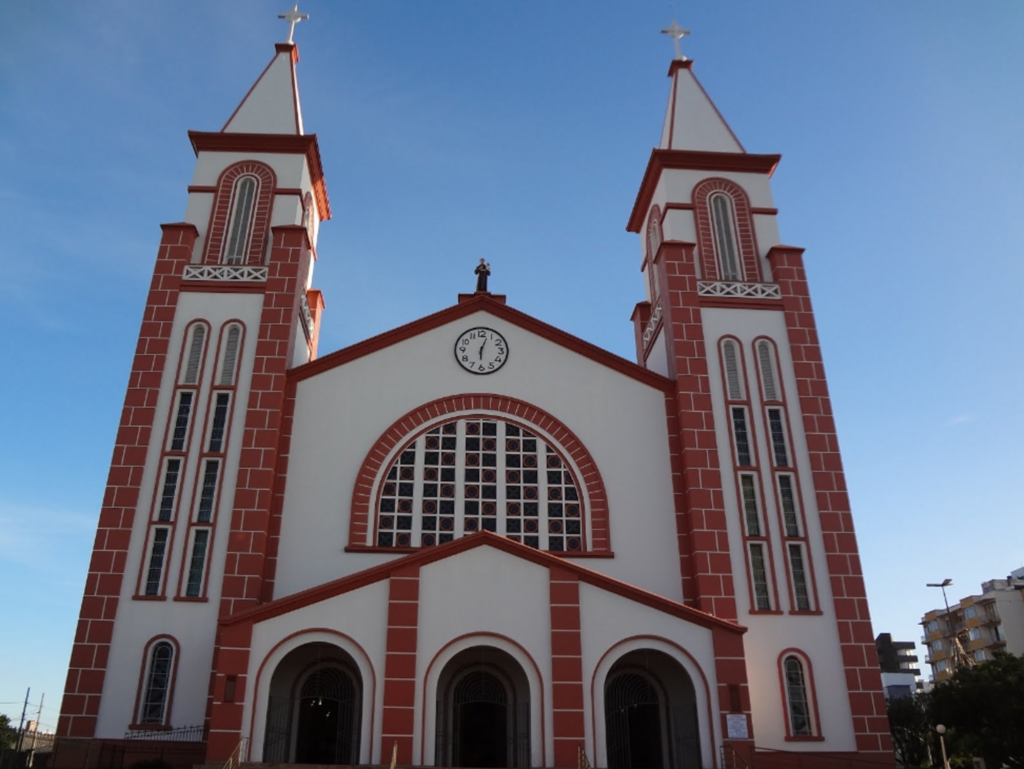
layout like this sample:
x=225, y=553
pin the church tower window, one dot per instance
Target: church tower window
x=237, y=244
x=195, y=355
x=480, y=474
x=722, y=215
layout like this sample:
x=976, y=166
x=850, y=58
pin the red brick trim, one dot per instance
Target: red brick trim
x=230, y=660
x=746, y=243
x=461, y=406
x=740, y=162
x=566, y=667
x=223, y=203
x=398, y=722
x=290, y=603
x=867, y=703
x=273, y=144
x=103, y=584
x=705, y=561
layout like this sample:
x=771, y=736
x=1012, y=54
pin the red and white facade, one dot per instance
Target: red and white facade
x=484, y=570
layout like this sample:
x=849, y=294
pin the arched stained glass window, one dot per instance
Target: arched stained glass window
x=723, y=220
x=797, y=701
x=480, y=474
x=241, y=216
x=158, y=684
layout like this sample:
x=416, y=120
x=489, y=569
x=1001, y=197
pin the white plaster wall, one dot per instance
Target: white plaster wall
x=817, y=636
x=341, y=413
x=361, y=618
x=483, y=591
x=657, y=358
x=192, y=624
x=613, y=626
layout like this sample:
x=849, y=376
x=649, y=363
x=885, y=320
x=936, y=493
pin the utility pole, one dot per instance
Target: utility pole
x=39, y=715
x=21, y=726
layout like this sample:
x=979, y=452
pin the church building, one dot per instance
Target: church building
x=532, y=553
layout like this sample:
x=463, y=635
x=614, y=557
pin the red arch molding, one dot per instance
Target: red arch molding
x=457, y=405
x=744, y=228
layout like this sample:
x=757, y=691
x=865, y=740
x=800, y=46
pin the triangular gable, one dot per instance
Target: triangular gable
x=693, y=122
x=272, y=104
x=426, y=556
x=487, y=303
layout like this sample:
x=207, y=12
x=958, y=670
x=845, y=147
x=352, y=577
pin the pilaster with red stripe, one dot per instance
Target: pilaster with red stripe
x=88, y=666
x=867, y=703
x=566, y=667
x=400, y=664
x=705, y=563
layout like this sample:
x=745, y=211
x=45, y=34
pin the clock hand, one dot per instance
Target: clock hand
x=481, y=356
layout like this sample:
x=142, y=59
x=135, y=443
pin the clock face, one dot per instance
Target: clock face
x=481, y=350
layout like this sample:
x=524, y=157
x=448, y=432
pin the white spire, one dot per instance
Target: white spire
x=272, y=104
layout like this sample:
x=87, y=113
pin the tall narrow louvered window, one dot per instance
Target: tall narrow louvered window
x=751, y=515
x=766, y=361
x=208, y=495
x=733, y=380
x=759, y=577
x=742, y=436
x=778, y=434
x=219, y=421
x=799, y=572
x=169, y=490
x=157, y=552
x=181, y=420
x=195, y=355
x=197, y=564
x=241, y=218
x=797, y=701
x=158, y=684
x=227, y=371
x=789, y=515
x=723, y=222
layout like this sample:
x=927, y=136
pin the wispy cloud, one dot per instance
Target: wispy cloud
x=960, y=419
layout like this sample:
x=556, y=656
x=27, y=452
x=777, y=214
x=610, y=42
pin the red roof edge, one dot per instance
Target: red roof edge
x=740, y=162
x=426, y=556
x=495, y=305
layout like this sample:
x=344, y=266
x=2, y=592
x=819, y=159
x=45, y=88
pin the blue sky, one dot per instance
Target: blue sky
x=520, y=132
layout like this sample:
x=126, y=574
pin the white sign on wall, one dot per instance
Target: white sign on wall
x=736, y=726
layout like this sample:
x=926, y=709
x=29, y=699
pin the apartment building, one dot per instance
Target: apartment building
x=981, y=624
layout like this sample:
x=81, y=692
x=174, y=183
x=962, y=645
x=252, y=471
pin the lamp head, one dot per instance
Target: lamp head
x=940, y=729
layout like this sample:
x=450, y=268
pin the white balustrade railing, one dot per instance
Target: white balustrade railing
x=227, y=273
x=728, y=288
x=652, y=325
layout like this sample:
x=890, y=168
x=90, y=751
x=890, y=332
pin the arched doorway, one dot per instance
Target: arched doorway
x=314, y=711
x=650, y=713
x=483, y=711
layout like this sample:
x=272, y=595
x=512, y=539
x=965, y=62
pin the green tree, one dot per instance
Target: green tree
x=8, y=734
x=983, y=707
x=911, y=729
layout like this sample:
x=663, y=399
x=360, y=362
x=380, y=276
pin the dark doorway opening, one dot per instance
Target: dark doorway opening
x=481, y=728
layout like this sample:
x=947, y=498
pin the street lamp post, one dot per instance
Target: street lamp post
x=949, y=620
x=942, y=742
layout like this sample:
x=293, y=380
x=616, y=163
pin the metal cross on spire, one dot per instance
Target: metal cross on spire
x=293, y=17
x=677, y=33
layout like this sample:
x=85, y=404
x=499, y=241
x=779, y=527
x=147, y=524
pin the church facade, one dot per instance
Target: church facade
x=530, y=550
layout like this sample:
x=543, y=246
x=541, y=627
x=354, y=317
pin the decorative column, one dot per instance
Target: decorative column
x=566, y=667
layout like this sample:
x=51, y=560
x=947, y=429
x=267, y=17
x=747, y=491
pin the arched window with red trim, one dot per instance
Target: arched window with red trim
x=725, y=232
x=798, y=695
x=240, y=218
x=157, y=683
